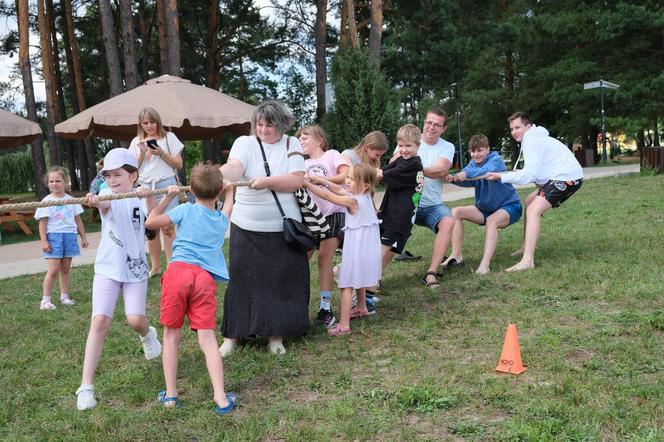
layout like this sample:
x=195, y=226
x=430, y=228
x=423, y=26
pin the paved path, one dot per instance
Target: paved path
x=26, y=258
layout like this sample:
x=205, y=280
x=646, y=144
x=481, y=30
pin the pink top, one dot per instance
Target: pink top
x=326, y=166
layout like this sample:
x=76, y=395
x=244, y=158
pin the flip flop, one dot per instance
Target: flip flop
x=338, y=331
x=407, y=256
x=232, y=400
x=357, y=313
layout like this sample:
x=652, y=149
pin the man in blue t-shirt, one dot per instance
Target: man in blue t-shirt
x=437, y=156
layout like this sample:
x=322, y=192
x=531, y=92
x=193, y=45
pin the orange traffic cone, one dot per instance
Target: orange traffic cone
x=510, y=358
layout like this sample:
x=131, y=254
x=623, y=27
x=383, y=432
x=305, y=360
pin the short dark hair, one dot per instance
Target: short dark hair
x=525, y=118
x=436, y=110
x=477, y=142
x=206, y=181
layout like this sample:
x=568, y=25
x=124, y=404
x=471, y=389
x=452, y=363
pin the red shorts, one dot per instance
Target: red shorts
x=188, y=290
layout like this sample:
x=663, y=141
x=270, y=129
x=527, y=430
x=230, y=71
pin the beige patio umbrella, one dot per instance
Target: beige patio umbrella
x=16, y=130
x=189, y=110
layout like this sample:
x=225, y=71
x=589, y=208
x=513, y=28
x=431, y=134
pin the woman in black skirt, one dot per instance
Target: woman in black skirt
x=268, y=292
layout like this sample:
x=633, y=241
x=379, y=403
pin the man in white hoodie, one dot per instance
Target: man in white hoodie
x=552, y=167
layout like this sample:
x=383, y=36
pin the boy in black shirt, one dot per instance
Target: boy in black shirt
x=403, y=176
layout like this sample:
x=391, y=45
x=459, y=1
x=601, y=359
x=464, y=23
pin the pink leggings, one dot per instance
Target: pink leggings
x=105, y=292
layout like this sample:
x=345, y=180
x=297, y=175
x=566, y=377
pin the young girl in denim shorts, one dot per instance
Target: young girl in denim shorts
x=58, y=226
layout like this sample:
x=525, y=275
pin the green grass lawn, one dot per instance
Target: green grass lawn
x=591, y=328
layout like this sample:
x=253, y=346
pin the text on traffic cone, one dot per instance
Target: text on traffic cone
x=510, y=358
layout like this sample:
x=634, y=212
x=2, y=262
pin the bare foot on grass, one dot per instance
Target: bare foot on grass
x=521, y=266
x=482, y=271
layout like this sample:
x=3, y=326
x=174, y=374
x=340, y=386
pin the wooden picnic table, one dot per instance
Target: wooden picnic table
x=14, y=216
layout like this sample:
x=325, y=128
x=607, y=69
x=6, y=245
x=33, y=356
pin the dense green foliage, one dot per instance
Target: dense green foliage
x=364, y=100
x=17, y=175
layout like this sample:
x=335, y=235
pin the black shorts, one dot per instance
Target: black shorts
x=337, y=221
x=557, y=192
x=396, y=241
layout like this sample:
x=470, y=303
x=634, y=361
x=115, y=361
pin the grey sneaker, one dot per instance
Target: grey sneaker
x=151, y=345
x=325, y=318
x=85, y=397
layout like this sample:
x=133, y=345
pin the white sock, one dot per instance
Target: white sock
x=46, y=298
x=64, y=295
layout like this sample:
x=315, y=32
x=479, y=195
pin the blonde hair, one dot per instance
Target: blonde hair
x=152, y=116
x=57, y=169
x=317, y=132
x=375, y=140
x=364, y=175
x=409, y=134
x=206, y=181
x=477, y=142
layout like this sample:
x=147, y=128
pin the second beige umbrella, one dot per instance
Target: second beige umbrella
x=189, y=110
x=16, y=130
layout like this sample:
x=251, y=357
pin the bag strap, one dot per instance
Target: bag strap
x=267, y=172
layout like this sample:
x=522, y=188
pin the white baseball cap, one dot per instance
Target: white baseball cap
x=118, y=157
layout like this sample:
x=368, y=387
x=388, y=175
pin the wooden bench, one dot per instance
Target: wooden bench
x=15, y=216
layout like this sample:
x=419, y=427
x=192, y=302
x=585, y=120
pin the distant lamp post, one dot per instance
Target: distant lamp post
x=602, y=84
x=458, y=121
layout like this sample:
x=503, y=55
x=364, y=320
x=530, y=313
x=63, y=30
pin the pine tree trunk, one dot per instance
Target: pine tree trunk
x=110, y=47
x=128, y=39
x=55, y=158
x=26, y=74
x=376, y=30
x=321, y=65
x=173, y=37
x=87, y=157
x=163, y=36
x=145, y=29
x=67, y=32
x=352, y=24
x=212, y=78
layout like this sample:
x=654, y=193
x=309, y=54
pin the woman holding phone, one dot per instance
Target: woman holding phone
x=159, y=155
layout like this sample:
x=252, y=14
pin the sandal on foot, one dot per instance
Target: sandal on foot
x=431, y=284
x=168, y=402
x=338, y=331
x=451, y=262
x=357, y=313
x=46, y=305
x=232, y=400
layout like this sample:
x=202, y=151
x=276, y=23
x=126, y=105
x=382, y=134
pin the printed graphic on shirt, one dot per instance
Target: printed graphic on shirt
x=137, y=267
x=316, y=169
x=417, y=196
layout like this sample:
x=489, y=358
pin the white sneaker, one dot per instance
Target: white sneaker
x=46, y=305
x=85, y=397
x=151, y=345
x=227, y=347
x=67, y=301
x=277, y=348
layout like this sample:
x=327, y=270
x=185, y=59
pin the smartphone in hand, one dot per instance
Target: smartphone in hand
x=152, y=144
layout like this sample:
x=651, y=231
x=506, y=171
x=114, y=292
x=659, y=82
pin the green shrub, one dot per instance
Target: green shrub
x=16, y=172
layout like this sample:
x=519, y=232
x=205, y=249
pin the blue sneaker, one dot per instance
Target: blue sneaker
x=371, y=306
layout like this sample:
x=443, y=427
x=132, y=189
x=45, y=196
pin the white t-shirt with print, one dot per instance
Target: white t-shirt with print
x=255, y=210
x=61, y=219
x=121, y=251
x=432, y=193
x=154, y=168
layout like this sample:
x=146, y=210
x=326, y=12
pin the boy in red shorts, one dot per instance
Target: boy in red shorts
x=188, y=285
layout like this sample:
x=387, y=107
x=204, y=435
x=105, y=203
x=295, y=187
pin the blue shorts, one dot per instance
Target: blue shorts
x=430, y=216
x=514, y=210
x=63, y=245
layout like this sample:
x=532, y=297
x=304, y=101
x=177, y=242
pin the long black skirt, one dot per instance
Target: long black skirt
x=268, y=291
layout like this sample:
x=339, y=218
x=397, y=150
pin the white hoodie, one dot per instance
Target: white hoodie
x=544, y=159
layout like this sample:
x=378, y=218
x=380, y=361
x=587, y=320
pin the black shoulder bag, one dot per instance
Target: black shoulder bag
x=296, y=235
